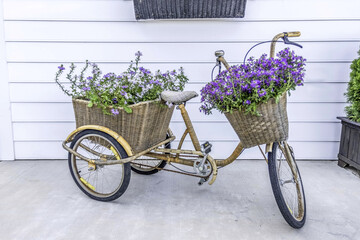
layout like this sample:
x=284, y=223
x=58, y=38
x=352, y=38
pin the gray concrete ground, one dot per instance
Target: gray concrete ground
x=39, y=200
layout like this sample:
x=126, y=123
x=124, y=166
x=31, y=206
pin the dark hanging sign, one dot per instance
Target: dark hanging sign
x=180, y=9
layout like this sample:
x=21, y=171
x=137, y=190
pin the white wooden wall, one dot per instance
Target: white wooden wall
x=40, y=35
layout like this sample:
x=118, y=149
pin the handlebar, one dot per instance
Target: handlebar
x=285, y=36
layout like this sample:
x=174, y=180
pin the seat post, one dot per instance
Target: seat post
x=189, y=127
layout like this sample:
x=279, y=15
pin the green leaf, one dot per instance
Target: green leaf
x=127, y=109
x=90, y=104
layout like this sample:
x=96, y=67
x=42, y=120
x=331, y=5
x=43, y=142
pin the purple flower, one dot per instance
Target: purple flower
x=89, y=78
x=114, y=111
x=126, y=96
x=96, y=71
x=156, y=82
x=255, y=83
x=61, y=68
x=86, y=89
x=261, y=92
x=138, y=54
x=109, y=75
x=144, y=71
x=244, y=87
x=115, y=101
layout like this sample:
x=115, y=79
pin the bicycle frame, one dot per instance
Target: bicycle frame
x=190, y=130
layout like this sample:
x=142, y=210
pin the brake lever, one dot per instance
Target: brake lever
x=287, y=41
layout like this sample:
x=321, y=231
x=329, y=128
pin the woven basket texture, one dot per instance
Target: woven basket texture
x=271, y=126
x=173, y=9
x=146, y=126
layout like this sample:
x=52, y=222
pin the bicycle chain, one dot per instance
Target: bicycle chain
x=169, y=170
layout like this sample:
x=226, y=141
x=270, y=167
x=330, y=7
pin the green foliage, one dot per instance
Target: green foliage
x=111, y=91
x=353, y=91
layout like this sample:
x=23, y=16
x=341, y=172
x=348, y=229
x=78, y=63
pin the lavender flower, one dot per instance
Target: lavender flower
x=61, y=68
x=114, y=111
x=261, y=92
x=138, y=54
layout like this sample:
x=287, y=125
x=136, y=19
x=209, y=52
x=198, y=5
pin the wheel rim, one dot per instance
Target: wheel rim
x=103, y=180
x=149, y=164
x=290, y=183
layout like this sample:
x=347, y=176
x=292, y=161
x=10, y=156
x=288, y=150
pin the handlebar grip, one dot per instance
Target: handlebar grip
x=293, y=34
x=281, y=35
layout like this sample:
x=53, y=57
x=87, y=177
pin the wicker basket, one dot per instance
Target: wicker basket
x=143, y=128
x=271, y=126
x=173, y=9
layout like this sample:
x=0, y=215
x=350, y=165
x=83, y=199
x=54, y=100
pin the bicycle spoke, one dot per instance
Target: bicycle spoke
x=103, y=179
x=289, y=182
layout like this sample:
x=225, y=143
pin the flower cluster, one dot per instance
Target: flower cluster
x=245, y=86
x=111, y=91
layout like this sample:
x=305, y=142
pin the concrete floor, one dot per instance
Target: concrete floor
x=39, y=200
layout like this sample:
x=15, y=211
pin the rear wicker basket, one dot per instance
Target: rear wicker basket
x=271, y=126
x=143, y=128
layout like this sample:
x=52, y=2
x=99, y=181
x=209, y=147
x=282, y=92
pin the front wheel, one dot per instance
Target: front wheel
x=99, y=182
x=287, y=185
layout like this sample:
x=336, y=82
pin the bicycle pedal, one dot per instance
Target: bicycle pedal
x=206, y=147
x=201, y=182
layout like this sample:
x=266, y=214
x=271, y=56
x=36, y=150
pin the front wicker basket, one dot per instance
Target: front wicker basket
x=271, y=126
x=146, y=126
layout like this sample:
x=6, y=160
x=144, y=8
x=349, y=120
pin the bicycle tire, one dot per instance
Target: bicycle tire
x=292, y=206
x=156, y=163
x=92, y=143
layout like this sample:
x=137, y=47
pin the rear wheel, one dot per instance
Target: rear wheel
x=287, y=185
x=146, y=165
x=99, y=182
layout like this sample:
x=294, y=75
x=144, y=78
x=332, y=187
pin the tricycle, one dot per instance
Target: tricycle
x=100, y=160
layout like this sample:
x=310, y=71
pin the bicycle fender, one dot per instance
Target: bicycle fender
x=112, y=133
x=269, y=147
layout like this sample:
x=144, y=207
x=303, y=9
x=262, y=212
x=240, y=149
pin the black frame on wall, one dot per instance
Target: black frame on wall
x=182, y=9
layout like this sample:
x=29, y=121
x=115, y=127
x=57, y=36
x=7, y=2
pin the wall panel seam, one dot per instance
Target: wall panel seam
x=178, y=42
x=200, y=20
x=164, y=62
x=201, y=140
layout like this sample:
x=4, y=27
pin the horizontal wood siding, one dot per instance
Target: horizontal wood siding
x=6, y=134
x=40, y=35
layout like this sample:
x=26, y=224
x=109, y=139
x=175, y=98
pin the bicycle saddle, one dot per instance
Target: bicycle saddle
x=177, y=97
